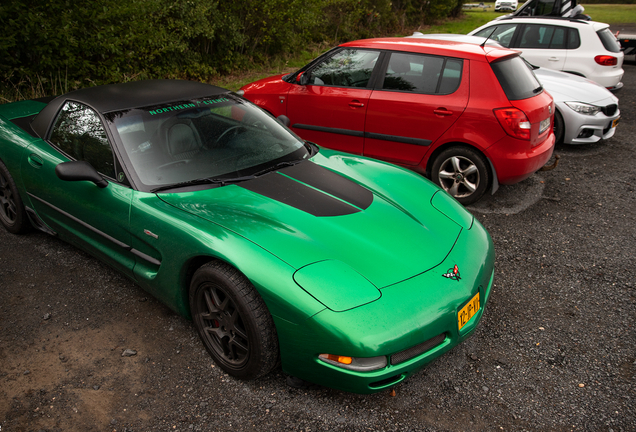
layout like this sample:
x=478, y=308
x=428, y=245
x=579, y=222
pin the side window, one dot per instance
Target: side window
x=79, y=133
x=451, y=77
x=574, y=39
x=419, y=73
x=536, y=36
x=501, y=34
x=413, y=73
x=558, y=38
x=347, y=68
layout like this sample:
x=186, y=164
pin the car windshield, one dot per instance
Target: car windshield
x=215, y=139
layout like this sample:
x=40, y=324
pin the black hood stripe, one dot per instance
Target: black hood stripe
x=316, y=200
x=328, y=181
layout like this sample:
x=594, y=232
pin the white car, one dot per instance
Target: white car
x=584, y=48
x=585, y=111
x=506, y=5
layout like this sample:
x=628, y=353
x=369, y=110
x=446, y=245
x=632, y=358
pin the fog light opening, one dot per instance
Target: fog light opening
x=586, y=133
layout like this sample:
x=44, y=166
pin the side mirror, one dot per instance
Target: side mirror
x=79, y=171
x=284, y=120
x=302, y=78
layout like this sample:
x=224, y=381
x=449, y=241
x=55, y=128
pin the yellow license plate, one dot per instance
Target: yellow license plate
x=615, y=122
x=468, y=311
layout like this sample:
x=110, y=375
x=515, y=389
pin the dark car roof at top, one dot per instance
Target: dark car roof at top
x=134, y=94
x=443, y=47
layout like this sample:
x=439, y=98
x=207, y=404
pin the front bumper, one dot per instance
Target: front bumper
x=616, y=88
x=585, y=129
x=414, y=322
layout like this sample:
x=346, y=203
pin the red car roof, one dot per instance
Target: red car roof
x=435, y=46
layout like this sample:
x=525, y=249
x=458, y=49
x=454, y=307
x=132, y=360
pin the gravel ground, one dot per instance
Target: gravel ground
x=556, y=349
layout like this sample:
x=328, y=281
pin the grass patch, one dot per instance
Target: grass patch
x=470, y=20
x=612, y=13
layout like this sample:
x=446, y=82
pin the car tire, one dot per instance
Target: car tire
x=559, y=127
x=12, y=212
x=233, y=321
x=462, y=172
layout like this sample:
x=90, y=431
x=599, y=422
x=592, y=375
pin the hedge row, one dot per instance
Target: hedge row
x=74, y=43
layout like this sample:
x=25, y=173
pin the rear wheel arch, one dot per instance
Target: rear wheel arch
x=471, y=159
x=558, y=127
x=443, y=147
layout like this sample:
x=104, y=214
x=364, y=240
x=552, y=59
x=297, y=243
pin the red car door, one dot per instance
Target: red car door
x=330, y=109
x=420, y=98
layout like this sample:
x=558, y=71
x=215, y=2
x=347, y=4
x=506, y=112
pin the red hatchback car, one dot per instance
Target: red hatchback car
x=468, y=117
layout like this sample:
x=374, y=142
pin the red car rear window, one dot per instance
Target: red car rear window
x=516, y=79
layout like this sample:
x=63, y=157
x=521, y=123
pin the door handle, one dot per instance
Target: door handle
x=442, y=112
x=356, y=104
x=553, y=59
x=35, y=161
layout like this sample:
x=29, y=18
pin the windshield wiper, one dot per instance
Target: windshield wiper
x=277, y=166
x=223, y=181
x=205, y=180
x=183, y=184
x=537, y=90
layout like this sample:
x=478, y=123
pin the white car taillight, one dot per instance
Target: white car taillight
x=606, y=60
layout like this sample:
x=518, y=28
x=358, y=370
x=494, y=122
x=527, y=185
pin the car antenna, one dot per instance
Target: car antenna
x=488, y=37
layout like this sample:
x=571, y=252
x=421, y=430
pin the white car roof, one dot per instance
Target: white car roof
x=572, y=22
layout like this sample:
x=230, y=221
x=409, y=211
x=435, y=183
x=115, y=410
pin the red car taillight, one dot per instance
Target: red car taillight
x=514, y=122
x=606, y=60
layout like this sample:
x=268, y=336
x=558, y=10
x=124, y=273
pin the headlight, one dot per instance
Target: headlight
x=336, y=285
x=583, y=108
x=360, y=364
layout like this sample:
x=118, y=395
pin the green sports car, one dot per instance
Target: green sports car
x=348, y=272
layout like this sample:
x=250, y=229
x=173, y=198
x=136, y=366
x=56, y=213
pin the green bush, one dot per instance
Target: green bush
x=59, y=45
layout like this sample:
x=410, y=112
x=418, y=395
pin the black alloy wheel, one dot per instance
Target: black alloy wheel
x=12, y=212
x=233, y=321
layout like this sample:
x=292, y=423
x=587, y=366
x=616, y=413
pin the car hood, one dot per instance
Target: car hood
x=567, y=87
x=308, y=214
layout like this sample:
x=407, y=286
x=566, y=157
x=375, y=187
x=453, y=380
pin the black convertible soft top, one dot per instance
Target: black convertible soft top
x=116, y=97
